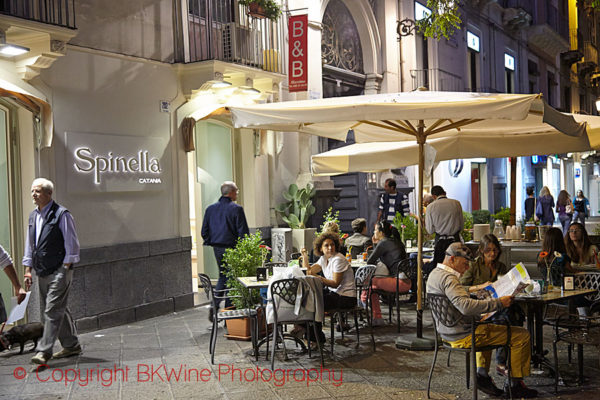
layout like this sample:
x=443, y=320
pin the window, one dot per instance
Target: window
x=473, y=60
x=421, y=11
x=473, y=41
x=509, y=73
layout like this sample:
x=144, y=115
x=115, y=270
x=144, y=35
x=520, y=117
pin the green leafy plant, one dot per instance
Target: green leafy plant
x=298, y=206
x=443, y=20
x=329, y=216
x=270, y=8
x=467, y=232
x=596, y=230
x=242, y=260
x=481, y=217
x=407, y=226
x=503, y=215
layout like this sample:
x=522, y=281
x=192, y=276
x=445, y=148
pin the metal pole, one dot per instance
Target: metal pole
x=421, y=142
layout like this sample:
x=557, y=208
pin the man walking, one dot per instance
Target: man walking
x=392, y=202
x=7, y=265
x=444, y=280
x=224, y=222
x=444, y=217
x=51, y=249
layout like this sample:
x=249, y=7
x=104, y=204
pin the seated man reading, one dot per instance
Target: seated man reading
x=444, y=279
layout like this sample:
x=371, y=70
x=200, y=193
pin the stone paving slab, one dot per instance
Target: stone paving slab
x=167, y=358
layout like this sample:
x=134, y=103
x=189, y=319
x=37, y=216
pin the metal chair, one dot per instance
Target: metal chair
x=409, y=267
x=362, y=280
x=444, y=313
x=286, y=290
x=223, y=315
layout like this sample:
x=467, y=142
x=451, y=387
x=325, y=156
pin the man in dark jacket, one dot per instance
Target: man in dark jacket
x=224, y=222
x=51, y=249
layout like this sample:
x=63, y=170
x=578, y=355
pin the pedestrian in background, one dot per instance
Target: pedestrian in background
x=51, y=249
x=544, y=209
x=564, y=207
x=392, y=202
x=581, y=208
x=224, y=223
x=529, y=204
x=7, y=265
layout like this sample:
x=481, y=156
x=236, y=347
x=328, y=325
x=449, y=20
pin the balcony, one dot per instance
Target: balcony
x=590, y=52
x=222, y=30
x=436, y=80
x=54, y=12
x=544, y=39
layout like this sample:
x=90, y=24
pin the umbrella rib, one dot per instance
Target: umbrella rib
x=397, y=126
x=435, y=125
x=454, y=125
x=383, y=126
x=410, y=126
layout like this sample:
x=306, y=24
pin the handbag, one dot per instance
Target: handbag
x=538, y=209
x=569, y=208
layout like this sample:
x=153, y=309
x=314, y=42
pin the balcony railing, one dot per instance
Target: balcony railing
x=54, y=12
x=436, y=79
x=222, y=30
x=590, y=52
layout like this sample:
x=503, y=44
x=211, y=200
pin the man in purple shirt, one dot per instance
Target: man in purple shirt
x=51, y=249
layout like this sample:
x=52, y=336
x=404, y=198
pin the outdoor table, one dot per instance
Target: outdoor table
x=535, y=308
x=416, y=249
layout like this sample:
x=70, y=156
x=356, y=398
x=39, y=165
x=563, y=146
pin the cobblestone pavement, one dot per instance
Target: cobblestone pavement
x=167, y=358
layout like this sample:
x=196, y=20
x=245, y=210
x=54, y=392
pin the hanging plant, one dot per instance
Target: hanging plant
x=262, y=8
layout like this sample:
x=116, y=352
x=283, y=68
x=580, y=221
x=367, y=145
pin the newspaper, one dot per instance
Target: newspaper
x=511, y=284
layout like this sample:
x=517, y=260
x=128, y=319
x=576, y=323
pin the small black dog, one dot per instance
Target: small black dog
x=21, y=334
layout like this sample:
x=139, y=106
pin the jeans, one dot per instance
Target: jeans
x=577, y=215
x=222, y=282
x=565, y=221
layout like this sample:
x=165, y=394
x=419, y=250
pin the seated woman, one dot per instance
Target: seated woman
x=338, y=276
x=482, y=272
x=389, y=251
x=560, y=262
x=580, y=249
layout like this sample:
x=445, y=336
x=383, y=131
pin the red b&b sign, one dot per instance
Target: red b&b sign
x=298, y=69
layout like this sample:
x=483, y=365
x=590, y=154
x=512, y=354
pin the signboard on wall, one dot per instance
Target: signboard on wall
x=298, y=68
x=114, y=163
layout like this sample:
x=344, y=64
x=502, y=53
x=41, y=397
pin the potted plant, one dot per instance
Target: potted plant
x=296, y=211
x=407, y=226
x=269, y=9
x=242, y=260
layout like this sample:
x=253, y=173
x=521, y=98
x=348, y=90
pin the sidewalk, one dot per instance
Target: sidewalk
x=133, y=362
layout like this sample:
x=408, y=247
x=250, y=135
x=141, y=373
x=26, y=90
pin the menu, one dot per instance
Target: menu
x=511, y=284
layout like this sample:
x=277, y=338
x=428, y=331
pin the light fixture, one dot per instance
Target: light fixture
x=249, y=90
x=598, y=105
x=214, y=84
x=11, y=50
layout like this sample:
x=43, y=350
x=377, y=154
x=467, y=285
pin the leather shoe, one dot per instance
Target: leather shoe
x=520, y=391
x=486, y=385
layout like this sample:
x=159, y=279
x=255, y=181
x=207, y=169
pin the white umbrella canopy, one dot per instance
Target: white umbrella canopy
x=411, y=116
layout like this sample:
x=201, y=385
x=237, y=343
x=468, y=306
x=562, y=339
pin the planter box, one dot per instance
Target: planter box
x=240, y=329
x=303, y=238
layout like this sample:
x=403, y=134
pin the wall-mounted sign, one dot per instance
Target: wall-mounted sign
x=455, y=167
x=509, y=62
x=539, y=160
x=577, y=172
x=298, y=67
x=421, y=11
x=472, y=41
x=113, y=163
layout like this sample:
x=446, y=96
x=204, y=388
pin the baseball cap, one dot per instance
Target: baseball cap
x=457, y=249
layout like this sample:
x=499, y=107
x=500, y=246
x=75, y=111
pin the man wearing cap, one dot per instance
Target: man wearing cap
x=444, y=280
x=359, y=241
x=444, y=217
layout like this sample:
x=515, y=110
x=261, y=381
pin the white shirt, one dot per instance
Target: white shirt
x=338, y=263
x=444, y=216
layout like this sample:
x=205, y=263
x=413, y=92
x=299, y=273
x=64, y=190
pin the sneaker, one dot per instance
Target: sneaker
x=502, y=370
x=68, y=352
x=520, y=391
x=40, y=358
x=486, y=385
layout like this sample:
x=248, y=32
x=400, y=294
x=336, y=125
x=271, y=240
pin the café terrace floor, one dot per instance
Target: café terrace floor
x=179, y=341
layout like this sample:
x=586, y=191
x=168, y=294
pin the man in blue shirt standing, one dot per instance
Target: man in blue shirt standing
x=51, y=249
x=224, y=222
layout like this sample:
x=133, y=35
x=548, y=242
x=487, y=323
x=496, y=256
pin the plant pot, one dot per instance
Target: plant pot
x=240, y=329
x=256, y=11
x=542, y=229
x=530, y=232
x=303, y=238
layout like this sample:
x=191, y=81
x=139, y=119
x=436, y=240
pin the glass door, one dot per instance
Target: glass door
x=5, y=231
x=214, y=165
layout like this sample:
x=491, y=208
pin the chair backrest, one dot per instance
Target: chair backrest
x=206, y=284
x=363, y=275
x=443, y=311
x=285, y=289
x=356, y=250
x=589, y=280
x=295, y=256
x=409, y=267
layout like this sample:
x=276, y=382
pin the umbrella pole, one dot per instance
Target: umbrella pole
x=406, y=342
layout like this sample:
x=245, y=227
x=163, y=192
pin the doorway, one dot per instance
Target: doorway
x=211, y=165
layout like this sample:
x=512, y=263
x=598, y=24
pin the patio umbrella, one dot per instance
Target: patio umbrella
x=408, y=116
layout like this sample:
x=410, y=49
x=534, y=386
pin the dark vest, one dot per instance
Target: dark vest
x=49, y=253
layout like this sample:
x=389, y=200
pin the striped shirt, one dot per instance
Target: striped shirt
x=5, y=259
x=390, y=213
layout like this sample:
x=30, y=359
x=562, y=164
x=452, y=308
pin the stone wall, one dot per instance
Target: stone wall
x=119, y=284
